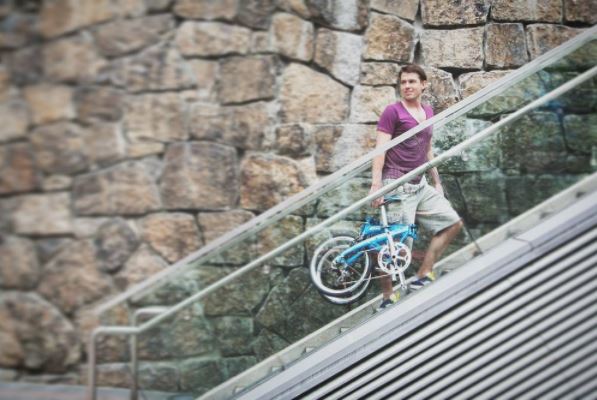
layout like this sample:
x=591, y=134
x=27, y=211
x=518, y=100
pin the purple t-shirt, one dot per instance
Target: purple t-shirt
x=411, y=153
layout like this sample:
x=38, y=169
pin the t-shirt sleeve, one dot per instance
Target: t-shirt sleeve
x=388, y=120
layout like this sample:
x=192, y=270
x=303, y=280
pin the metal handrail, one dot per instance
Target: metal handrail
x=455, y=150
x=119, y=330
x=328, y=183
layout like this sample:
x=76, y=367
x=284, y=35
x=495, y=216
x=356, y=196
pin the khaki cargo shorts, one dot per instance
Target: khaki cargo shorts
x=423, y=204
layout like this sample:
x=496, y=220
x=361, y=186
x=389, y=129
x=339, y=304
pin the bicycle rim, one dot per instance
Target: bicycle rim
x=337, y=280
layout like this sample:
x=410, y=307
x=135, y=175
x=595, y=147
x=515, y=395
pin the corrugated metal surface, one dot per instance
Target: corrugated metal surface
x=486, y=347
x=501, y=343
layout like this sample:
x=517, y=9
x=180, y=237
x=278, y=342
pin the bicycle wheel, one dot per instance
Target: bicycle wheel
x=334, y=277
x=350, y=298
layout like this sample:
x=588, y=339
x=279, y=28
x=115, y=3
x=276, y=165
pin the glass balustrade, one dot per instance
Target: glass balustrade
x=274, y=305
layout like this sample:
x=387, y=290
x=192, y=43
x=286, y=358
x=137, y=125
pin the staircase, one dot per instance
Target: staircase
x=515, y=230
x=510, y=316
x=507, y=303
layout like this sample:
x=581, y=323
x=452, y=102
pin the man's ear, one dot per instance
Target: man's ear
x=424, y=83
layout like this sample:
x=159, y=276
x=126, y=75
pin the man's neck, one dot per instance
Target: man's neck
x=416, y=103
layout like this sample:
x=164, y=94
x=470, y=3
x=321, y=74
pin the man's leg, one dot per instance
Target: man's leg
x=386, y=283
x=402, y=211
x=438, y=244
x=386, y=286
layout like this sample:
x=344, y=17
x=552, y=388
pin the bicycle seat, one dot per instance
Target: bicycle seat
x=390, y=199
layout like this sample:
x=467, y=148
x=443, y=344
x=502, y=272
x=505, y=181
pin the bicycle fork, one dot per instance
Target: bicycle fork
x=393, y=251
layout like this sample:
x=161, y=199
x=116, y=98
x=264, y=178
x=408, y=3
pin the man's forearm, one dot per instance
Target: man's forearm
x=378, y=162
x=433, y=171
x=376, y=170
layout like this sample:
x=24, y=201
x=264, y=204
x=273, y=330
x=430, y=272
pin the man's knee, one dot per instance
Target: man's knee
x=458, y=225
x=455, y=228
x=451, y=229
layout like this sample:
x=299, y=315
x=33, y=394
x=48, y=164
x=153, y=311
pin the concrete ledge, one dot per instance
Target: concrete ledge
x=32, y=391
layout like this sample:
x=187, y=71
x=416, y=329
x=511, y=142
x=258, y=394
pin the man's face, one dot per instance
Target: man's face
x=411, y=86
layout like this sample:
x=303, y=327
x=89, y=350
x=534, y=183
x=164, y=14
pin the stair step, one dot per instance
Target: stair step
x=239, y=389
x=308, y=349
x=275, y=369
x=344, y=329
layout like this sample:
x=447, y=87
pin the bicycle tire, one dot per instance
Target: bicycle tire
x=351, y=298
x=330, y=279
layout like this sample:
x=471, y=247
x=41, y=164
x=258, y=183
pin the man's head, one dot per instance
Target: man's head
x=413, y=80
x=413, y=69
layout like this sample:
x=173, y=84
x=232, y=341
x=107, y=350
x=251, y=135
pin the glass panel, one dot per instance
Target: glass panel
x=531, y=159
x=268, y=309
x=275, y=305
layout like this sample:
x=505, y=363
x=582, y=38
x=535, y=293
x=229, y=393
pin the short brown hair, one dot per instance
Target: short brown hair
x=413, y=68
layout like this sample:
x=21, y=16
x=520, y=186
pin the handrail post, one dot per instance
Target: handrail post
x=134, y=363
x=92, y=384
x=92, y=350
x=134, y=347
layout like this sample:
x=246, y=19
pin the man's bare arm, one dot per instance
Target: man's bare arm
x=377, y=166
x=437, y=183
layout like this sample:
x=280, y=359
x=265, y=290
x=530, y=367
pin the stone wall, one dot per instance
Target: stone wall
x=135, y=131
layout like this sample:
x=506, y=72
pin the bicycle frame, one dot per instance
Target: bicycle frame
x=374, y=236
x=399, y=232
x=345, y=281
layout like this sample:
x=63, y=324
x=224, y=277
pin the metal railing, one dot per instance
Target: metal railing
x=163, y=313
x=339, y=177
x=295, y=202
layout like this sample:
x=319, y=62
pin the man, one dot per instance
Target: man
x=432, y=210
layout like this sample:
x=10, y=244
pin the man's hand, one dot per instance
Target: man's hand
x=374, y=188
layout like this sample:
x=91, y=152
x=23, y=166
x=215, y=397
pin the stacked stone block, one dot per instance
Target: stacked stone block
x=136, y=131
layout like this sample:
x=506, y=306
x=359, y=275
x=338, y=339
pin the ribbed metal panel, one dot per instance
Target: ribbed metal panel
x=519, y=330
x=531, y=334
x=510, y=334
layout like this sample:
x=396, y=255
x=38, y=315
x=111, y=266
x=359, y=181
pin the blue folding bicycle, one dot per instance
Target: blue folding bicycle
x=341, y=267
